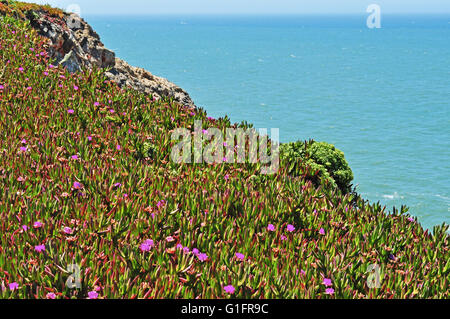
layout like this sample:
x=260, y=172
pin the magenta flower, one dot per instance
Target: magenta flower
x=186, y=250
x=195, y=251
x=38, y=225
x=21, y=69
x=51, y=295
x=118, y=147
x=1, y=87
x=240, y=256
x=45, y=73
x=70, y=111
x=229, y=289
x=322, y=231
x=74, y=157
x=412, y=220
x=179, y=246
x=116, y=185
x=51, y=66
x=96, y=104
x=271, y=227
x=24, y=141
x=283, y=237
x=160, y=203
x=202, y=256
x=290, y=228
x=23, y=148
x=329, y=291
x=92, y=295
x=68, y=230
x=147, y=245
x=13, y=286
x=90, y=138
x=25, y=227
x=77, y=185
x=327, y=282
x=75, y=88
x=39, y=248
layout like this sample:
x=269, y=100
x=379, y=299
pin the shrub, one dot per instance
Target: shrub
x=320, y=161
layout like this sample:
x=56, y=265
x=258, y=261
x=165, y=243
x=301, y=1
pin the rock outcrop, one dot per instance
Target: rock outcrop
x=75, y=45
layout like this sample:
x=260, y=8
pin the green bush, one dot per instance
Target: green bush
x=320, y=161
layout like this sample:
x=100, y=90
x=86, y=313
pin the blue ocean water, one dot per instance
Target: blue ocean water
x=380, y=95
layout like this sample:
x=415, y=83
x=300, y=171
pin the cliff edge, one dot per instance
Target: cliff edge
x=75, y=45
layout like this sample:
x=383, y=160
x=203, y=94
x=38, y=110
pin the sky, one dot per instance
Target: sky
x=91, y=7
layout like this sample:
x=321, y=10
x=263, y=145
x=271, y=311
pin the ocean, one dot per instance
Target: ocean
x=382, y=96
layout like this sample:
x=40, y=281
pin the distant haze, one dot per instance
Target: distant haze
x=131, y=7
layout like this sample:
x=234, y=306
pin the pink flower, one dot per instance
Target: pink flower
x=240, y=256
x=13, y=286
x=24, y=141
x=96, y=104
x=116, y=185
x=160, y=203
x=329, y=291
x=90, y=138
x=25, y=227
x=75, y=88
x=327, y=282
x=412, y=220
x=195, y=251
x=170, y=239
x=322, y=231
x=290, y=228
x=227, y=177
x=147, y=245
x=282, y=237
x=74, y=157
x=51, y=295
x=1, y=87
x=51, y=66
x=202, y=256
x=39, y=248
x=29, y=88
x=92, y=294
x=271, y=227
x=23, y=148
x=77, y=185
x=45, y=73
x=70, y=111
x=118, y=147
x=179, y=246
x=68, y=230
x=38, y=225
x=229, y=289
x=186, y=250
x=21, y=69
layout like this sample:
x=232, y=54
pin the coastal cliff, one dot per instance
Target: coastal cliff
x=75, y=45
x=88, y=182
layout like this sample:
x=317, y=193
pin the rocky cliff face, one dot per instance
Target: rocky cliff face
x=74, y=44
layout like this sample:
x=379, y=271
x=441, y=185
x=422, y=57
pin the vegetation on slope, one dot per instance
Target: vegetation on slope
x=86, y=178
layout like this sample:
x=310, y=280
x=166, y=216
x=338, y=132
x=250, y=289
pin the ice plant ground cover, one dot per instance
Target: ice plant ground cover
x=80, y=184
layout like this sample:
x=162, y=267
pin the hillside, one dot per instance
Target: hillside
x=87, y=179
